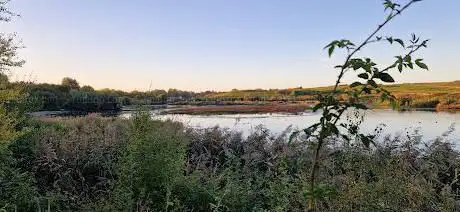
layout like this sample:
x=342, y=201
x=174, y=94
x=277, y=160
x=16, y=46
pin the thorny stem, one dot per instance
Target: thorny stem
x=311, y=202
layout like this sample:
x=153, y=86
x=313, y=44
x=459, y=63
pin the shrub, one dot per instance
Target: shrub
x=151, y=166
x=425, y=103
x=76, y=159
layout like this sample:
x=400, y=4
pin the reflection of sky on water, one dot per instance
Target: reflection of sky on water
x=430, y=124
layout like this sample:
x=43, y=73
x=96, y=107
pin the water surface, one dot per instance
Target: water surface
x=430, y=124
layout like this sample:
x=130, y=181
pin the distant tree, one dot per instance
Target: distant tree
x=71, y=83
x=87, y=88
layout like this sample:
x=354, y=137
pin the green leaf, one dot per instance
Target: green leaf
x=411, y=66
x=367, y=68
x=331, y=47
x=390, y=39
x=399, y=41
x=331, y=50
x=372, y=83
x=363, y=76
x=419, y=63
x=311, y=129
x=385, y=77
x=355, y=84
x=357, y=64
x=317, y=107
x=400, y=67
x=408, y=58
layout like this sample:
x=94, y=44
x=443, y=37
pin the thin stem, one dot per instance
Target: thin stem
x=311, y=203
x=367, y=40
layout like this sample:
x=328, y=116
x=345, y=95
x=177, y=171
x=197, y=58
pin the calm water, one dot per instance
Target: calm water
x=430, y=124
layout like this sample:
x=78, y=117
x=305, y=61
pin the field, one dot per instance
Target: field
x=439, y=96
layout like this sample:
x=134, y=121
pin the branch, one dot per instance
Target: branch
x=366, y=41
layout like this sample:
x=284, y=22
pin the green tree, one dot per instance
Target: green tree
x=16, y=185
x=87, y=88
x=71, y=83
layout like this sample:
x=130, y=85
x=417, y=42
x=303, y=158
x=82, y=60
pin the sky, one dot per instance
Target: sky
x=220, y=44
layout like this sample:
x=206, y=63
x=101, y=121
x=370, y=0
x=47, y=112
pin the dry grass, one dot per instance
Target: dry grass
x=232, y=109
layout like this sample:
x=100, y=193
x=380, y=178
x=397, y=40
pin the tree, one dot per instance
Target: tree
x=16, y=185
x=71, y=83
x=8, y=60
x=87, y=88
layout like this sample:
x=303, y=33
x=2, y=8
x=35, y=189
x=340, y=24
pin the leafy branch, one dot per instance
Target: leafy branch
x=333, y=108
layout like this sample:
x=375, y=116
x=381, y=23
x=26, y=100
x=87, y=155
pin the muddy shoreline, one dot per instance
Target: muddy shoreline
x=239, y=109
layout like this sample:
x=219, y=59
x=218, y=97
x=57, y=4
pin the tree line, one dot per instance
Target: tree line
x=70, y=95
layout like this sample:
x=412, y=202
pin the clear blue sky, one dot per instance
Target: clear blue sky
x=218, y=44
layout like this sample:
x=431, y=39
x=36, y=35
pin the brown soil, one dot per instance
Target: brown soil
x=455, y=106
x=233, y=109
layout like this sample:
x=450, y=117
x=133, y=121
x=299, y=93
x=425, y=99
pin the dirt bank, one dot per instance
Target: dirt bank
x=233, y=109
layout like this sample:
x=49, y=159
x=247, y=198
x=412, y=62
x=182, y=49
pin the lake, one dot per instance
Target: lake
x=431, y=124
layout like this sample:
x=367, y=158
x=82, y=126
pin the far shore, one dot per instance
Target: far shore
x=241, y=109
x=218, y=109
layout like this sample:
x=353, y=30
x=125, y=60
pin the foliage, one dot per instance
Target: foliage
x=16, y=185
x=70, y=83
x=151, y=166
x=87, y=88
x=141, y=164
x=75, y=160
x=57, y=97
x=102, y=164
x=369, y=73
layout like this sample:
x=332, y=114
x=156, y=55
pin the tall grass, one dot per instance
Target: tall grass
x=105, y=164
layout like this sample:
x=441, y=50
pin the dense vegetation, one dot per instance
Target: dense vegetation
x=109, y=164
x=140, y=164
x=50, y=97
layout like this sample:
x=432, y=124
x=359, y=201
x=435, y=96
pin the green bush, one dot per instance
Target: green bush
x=151, y=166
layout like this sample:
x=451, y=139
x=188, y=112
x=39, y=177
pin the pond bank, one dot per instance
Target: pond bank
x=240, y=109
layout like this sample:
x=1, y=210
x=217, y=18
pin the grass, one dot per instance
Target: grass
x=108, y=164
x=423, y=95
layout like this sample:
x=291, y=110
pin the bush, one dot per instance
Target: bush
x=425, y=103
x=76, y=159
x=151, y=166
